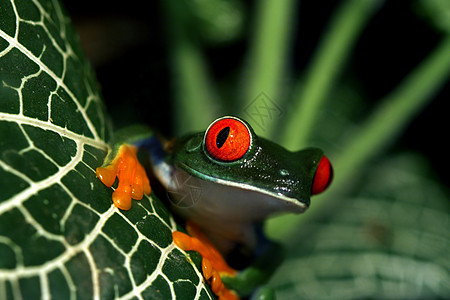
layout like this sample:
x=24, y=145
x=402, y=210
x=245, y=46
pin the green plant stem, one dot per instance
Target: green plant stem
x=194, y=95
x=268, y=52
x=380, y=130
x=395, y=112
x=333, y=51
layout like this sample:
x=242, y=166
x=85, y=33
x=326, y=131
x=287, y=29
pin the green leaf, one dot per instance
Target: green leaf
x=217, y=21
x=60, y=235
x=436, y=12
x=390, y=240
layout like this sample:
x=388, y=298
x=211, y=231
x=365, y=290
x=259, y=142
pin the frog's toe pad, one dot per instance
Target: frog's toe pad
x=133, y=181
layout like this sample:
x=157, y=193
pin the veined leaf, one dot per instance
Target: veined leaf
x=60, y=235
x=388, y=241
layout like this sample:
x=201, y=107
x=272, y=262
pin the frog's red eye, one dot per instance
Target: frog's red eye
x=227, y=139
x=323, y=176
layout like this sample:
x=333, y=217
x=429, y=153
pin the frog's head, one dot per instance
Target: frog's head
x=230, y=154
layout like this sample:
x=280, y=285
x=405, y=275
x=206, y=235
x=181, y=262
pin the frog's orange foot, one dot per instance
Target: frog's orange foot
x=213, y=263
x=133, y=181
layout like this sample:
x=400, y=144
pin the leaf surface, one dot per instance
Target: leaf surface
x=60, y=235
x=388, y=241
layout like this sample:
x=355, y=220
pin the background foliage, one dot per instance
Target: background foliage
x=365, y=80
x=60, y=235
x=362, y=61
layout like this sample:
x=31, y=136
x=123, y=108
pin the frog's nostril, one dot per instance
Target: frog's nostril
x=323, y=176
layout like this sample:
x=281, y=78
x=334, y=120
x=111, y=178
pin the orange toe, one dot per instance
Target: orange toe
x=133, y=180
x=107, y=175
x=207, y=268
x=122, y=199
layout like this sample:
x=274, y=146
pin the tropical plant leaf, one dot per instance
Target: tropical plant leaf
x=388, y=241
x=60, y=235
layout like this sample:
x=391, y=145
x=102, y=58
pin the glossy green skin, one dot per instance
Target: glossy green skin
x=267, y=170
x=266, y=165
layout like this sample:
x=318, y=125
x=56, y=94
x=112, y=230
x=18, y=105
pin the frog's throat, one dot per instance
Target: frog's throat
x=296, y=202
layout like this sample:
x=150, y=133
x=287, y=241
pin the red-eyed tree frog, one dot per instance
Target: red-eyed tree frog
x=239, y=180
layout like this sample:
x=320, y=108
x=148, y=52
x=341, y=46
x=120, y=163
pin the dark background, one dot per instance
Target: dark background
x=128, y=47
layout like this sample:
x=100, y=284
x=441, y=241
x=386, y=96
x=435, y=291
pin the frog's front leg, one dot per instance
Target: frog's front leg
x=122, y=163
x=226, y=282
x=213, y=264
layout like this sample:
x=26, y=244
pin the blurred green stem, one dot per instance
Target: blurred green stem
x=333, y=50
x=394, y=113
x=194, y=95
x=267, y=54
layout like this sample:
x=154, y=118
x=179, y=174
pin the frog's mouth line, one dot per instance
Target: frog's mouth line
x=289, y=200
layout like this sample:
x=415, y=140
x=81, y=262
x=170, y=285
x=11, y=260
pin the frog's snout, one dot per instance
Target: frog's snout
x=322, y=177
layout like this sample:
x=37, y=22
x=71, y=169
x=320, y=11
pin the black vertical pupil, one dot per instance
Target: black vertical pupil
x=222, y=137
